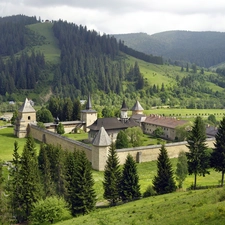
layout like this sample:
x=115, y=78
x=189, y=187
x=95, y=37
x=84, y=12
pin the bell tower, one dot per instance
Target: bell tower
x=26, y=115
x=88, y=115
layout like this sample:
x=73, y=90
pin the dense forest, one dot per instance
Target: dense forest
x=202, y=48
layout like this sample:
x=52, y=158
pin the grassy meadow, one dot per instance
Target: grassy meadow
x=187, y=113
x=50, y=43
x=192, y=208
x=7, y=140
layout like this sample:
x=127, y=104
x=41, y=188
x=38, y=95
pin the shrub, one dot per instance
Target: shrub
x=50, y=210
x=149, y=192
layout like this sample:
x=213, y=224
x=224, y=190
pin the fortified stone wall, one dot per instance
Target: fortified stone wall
x=140, y=154
x=49, y=137
x=150, y=153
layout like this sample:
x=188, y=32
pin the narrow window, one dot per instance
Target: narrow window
x=28, y=117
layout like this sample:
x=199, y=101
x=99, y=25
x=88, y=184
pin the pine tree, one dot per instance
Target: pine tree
x=15, y=182
x=81, y=192
x=121, y=140
x=45, y=169
x=30, y=188
x=112, y=176
x=182, y=168
x=218, y=154
x=130, y=188
x=197, y=157
x=164, y=181
x=5, y=214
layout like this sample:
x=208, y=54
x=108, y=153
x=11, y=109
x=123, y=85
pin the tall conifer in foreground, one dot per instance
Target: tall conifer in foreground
x=130, y=188
x=45, y=172
x=30, y=188
x=15, y=181
x=197, y=157
x=112, y=176
x=218, y=154
x=81, y=194
x=164, y=182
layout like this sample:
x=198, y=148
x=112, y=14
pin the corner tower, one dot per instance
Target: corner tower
x=137, y=108
x=26, y=115
x=100, y=148
x=88, y=115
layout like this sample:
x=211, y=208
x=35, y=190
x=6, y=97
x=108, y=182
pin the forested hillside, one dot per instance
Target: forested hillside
x=202, y=48
x=67, y=60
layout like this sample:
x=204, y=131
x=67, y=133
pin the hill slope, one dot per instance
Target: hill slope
x=67, y=60
x=193, y=207
x=202, y=48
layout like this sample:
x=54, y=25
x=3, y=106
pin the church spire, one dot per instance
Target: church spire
x=88, y=105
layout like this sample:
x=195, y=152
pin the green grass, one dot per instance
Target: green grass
x=219, y=113
x=7, y=140
x=78, y=137
x=192, y=207
x=50, y=46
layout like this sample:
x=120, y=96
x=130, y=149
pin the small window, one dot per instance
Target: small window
x=28, y=117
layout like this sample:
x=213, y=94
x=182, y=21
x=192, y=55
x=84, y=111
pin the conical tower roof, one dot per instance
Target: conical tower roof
x=137, y=107
x=102, y=138
x=26, y=107
x=124, y=106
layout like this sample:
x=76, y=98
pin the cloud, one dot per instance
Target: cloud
x=125, y=16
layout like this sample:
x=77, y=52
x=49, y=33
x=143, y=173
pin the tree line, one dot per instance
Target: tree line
x=23, y=72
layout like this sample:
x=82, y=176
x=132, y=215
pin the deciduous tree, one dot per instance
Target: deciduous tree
x=122, y=140
x=182, y=168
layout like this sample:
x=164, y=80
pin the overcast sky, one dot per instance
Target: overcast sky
x=126, y=16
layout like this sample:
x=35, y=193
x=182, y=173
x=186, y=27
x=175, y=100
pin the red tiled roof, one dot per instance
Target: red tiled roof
x=169, y=122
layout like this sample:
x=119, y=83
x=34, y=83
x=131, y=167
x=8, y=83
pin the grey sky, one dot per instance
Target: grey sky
x=126, y=16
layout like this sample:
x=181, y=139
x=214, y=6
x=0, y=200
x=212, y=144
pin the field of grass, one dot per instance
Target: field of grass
x=219, y=113
x=147, y=171
x=7, y=140
x=192, y=208
x=50, y=46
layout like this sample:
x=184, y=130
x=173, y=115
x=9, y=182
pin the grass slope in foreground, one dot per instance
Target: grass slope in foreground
x=192, y=207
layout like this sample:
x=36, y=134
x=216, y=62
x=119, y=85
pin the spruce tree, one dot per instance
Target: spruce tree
x=182, y=169
x=197, y=157
x=45, y=172
x=29, y=187
x=164, y=181
x=130, y=188
x=112, y=177
x=15, y=181
x=80, y=184
x=218, y=154
x=122, y=140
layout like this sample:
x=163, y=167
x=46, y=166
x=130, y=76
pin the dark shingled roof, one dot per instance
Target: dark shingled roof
x=169, y=122
x=112, y=123
x=107, y=123
x=102, y=138
x=88, y=106
x=124, y=106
